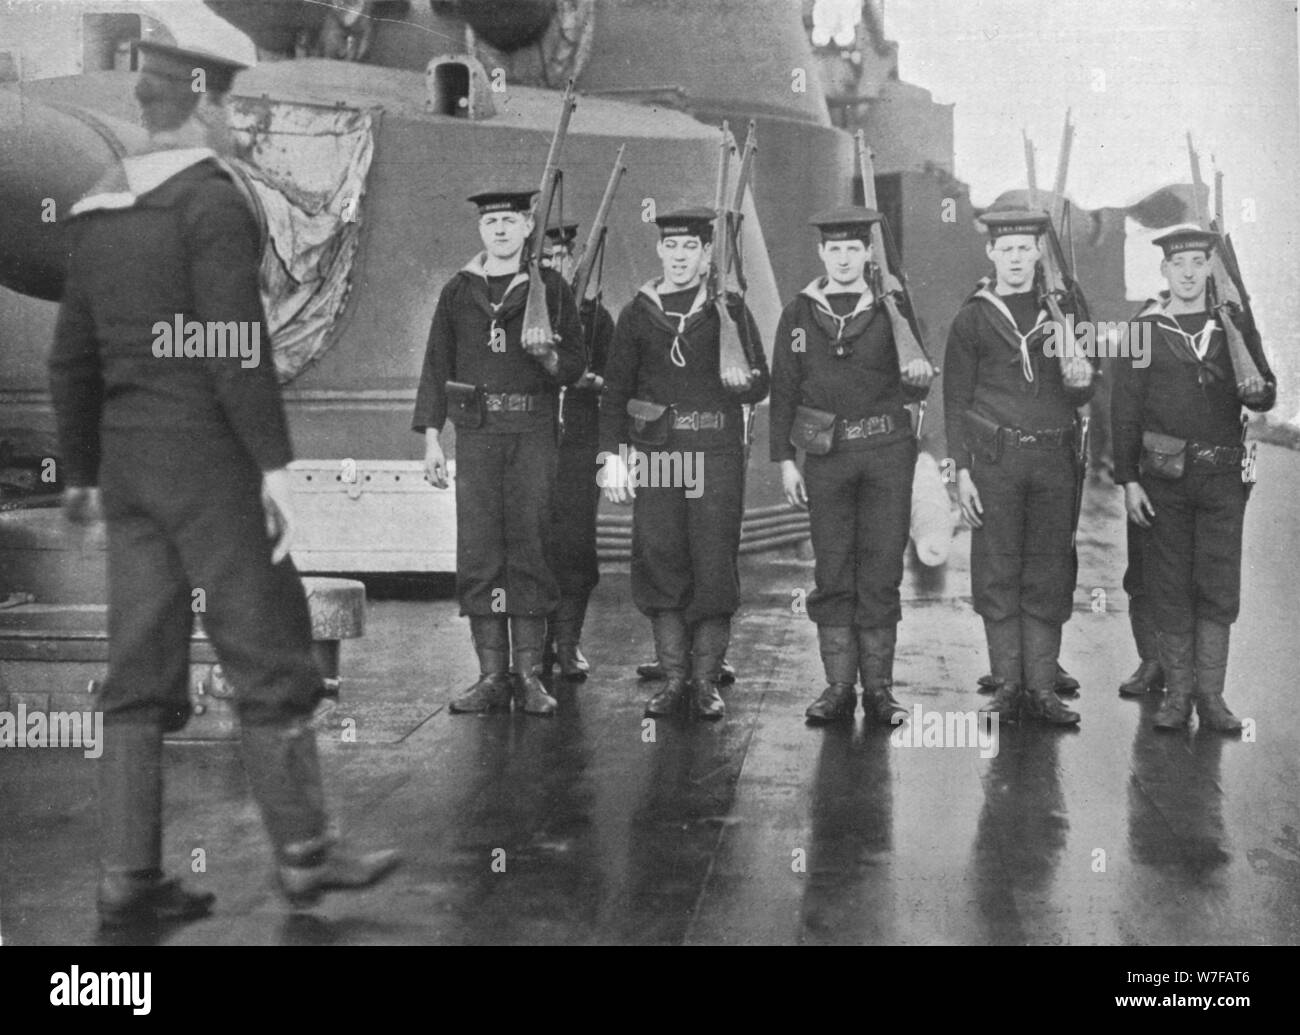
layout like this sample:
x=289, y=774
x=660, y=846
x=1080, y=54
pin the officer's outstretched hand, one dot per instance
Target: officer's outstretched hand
x=435, y=463
x=968, y=498
x=792, y=484
x=615, y=480
x=918, y=373
x=1138, y=504
x=81, y=505
x=277, y=502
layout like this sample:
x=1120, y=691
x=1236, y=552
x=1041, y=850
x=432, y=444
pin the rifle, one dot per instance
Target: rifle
x=593, y=251
x=1225, y=291
x=891, y=282
x=536, y=316
x=724, y=261
x=1052, y=282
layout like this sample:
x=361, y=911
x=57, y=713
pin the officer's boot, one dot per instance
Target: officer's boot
x=1003, y=637
x=132, y=889
x=284, y=773
x=491, y=693
x=528, y=639
x=1148, y=676
x=1211, y=671
x=1040, y=643
x=671, y=656
x=1177, y=661
x=709, y=645
x=567, y=624
x=839, y=650
x=876, y=661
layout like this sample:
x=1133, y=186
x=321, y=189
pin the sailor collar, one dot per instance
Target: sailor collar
x=1198, y=343
x=137, y=175
x=984, y=292
x=816, y=290
x=477, y=267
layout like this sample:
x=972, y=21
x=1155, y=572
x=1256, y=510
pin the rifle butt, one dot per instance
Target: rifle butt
x=1243, y=363
x=536, y=315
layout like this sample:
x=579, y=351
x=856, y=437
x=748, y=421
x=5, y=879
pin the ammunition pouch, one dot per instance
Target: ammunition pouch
x=465, y=405
x=1163, y=456
x=813, y=431
x=984, y=437
x=650, y=422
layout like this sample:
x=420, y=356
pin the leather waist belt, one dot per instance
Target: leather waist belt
x=1051, y=438
x=511, y=402
x=868, y=427
x=693, y=420
x=1215, y=456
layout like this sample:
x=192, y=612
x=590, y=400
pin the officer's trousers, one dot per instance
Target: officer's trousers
x=187, y=536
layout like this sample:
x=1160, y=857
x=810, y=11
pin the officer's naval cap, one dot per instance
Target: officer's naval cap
x=177, y=64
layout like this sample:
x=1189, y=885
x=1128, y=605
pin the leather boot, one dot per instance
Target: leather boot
x=528, y=638
x=839, y=651
x=1211, y=672
x=132, y=889
x=1066, y=684
x=1006, y=702
x=567, y=625
x=284, y=772
x=1148, y=676
x=1005, y=662
x=1176, y=652
x=709, y=646
x=652, y=670
x=670, y=649
x=491, y=693
x=876, y=662
x=1040, y=642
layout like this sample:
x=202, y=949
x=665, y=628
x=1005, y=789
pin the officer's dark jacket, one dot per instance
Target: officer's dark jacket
x=1177, y=393
x=986, y=370
x=582, y=405
x=805, y=372
x=650, y=360
x=460, y=349
x=187, y=247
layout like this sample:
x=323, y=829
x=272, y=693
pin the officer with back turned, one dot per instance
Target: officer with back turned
x=190, y=451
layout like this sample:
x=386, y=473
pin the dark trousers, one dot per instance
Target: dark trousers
x=573, y=518
x=860, y=509
x=1192, y=552
x=187, y=535
x=684, y=550
x=1023, y=559
x=504, y=484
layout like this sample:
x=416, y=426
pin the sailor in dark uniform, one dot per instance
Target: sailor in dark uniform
x=668, y=392
x=838, y=393
x=500, y=382
x=1179, y=456
x=1010, y=415
x=188, y=444
x=577, y=495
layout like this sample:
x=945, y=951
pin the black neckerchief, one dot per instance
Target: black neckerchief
x=841, y=331
x=683, y=324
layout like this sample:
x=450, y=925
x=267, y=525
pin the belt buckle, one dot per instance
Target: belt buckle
x=853, y=430
x=710, y=421
x=879, y=425
x=1026, y=438
x=517, y=403
x=689, y=421
x=493, y=403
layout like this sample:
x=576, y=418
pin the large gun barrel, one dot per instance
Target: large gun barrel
x=50, y=155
